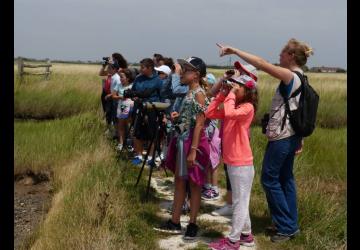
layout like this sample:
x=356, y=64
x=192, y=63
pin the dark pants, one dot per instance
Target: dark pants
x=228, y=184
x=109, y=108
x=278, y=182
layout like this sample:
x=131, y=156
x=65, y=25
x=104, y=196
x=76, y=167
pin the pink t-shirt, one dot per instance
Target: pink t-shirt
x=236, y=124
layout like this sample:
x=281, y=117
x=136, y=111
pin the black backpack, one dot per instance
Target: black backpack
x=303, y=118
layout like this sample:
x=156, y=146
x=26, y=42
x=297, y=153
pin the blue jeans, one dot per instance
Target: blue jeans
x=278, y=181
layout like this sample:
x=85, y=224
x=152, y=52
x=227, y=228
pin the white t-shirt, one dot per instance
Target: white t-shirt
x=115, y=80
x=124, y=105
x=277, y=111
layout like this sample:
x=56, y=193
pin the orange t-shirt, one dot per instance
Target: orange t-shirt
x=236, y=148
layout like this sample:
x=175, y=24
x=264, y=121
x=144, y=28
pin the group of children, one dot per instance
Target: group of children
x=212, y=120
x=195, y=151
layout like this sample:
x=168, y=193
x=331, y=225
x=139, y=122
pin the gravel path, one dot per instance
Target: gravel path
x=164, y=188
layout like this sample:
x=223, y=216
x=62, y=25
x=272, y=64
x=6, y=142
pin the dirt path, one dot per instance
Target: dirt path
x=31, y=202
x=164, y=188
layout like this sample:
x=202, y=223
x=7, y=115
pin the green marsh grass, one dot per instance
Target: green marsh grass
x=85, y=167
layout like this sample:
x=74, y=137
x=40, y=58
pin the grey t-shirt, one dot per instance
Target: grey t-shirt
x=277, y=111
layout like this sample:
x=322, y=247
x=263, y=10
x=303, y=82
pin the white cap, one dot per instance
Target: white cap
x=164, y=68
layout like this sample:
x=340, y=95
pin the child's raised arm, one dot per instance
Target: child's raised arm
x=213, y=111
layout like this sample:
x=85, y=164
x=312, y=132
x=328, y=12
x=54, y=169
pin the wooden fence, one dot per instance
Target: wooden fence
x=22, y=66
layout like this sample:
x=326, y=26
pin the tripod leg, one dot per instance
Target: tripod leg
x=152, y=165
x=156, y=141
x=146, y=157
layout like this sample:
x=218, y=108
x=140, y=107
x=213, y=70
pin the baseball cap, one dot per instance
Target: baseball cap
x=245, y=80
x=248, y=68
x=163, y=68
x=196, y=63
x=210, y=78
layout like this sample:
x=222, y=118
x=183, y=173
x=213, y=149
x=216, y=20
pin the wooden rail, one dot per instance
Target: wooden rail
x=22, y=65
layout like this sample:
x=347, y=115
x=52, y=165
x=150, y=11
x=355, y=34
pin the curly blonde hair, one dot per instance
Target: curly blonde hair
x=301, y=51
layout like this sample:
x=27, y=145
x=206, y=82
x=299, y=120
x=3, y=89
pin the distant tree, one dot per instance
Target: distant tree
x=340, y=70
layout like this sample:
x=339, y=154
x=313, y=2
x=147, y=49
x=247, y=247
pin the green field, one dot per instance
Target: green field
x=70, y=142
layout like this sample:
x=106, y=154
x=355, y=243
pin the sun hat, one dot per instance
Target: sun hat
x=245, y=80
x=248, y=69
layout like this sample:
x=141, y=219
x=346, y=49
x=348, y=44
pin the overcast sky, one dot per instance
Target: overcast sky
x=91, y=29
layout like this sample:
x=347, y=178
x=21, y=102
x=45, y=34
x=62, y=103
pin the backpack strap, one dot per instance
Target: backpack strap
x=294, y=94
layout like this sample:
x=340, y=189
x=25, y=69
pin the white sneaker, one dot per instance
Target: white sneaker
x=119, y=147
x=158, y=159
x=223, y=211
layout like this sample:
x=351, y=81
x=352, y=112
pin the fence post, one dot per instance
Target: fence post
x=47, y=71
x=20, y=67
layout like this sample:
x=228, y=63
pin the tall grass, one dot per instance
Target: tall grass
x=43, y=145
x=73, y=89
x=332, y=89
x=85, y=167
x=63, y=95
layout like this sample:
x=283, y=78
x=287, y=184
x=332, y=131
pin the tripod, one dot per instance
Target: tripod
x=156, y=142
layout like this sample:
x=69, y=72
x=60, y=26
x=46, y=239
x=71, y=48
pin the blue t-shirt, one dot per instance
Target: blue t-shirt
x=287, y=88
x=142, y=83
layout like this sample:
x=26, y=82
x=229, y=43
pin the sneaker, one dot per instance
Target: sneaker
x=279, y=237
x=205, y=188
x=119, y=147
x=158, y=159
x=191, y=231
x=149, y=160
x=137, y=160
x=223, y=211
x=210, y=195
x=169, y=227
x=224, y=244
x=247, y=240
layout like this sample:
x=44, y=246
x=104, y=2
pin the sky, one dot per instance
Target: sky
x=90, y=29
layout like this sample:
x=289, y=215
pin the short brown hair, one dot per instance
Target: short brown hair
x=301, y=51
x=148, y=63
x=129, y=75
x=169, y=62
